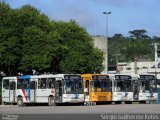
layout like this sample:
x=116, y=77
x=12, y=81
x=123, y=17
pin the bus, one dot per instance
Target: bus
x=27, y=89
x=9, y=90
x=147, y=87
x=97, y=88
x=69, y=88
x=51, y=89
x=122, y=89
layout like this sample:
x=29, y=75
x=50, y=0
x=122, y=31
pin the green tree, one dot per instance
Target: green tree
x=30, y=40
x=79, y=56
x=139, y=34
x=135, y=50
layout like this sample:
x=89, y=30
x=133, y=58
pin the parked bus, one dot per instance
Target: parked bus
x=147, y=88
x=9, y=90
x=68, y=88
x=122, y=89
x=51, y=89
x=97, y=88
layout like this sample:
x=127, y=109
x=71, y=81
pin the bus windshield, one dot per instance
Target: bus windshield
x=73, y=86
x=149, y=85
x=124, y=86
x=101, y=85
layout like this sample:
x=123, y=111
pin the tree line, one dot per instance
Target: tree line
x=136, y=47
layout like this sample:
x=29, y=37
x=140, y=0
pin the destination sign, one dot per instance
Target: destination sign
x=147, y=77
x=123, y=77
x=100, y=77
x=72, y=77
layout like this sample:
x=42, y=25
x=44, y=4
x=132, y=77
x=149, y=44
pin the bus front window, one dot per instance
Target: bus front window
x=69, y=87
x=101, y=85
x=127, y=85
x=145, y=86
x=105, y=86
x=124, y=86
x=73, y=86
x=78, y=86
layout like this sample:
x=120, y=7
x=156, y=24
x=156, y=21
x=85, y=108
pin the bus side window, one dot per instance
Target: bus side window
x=6, y=84
x=12, y=86
x=50, y=83
x=19, y=84
x=32, y=85
x=26, y=84
x=42, y=83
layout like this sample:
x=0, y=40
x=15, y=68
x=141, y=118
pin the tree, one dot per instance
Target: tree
x=79, y=56
x=117, y=37
x=136, y=49
x=30, y=40
x=139, y=34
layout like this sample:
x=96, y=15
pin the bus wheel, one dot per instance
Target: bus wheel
x=51, y=101
x=20, y=102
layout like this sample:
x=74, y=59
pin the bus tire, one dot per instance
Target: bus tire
x=20, y=102
x=51, y=101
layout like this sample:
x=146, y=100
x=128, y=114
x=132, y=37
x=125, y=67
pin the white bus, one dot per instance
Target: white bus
x=147, y=88
x=9, y=89
x=51, y=89
x=69, y=88
x=122, y=89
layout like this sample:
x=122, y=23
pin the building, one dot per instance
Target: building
x=101, y=43
x=143, y=67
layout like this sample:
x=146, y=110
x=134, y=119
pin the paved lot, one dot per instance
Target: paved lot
x=98, y=109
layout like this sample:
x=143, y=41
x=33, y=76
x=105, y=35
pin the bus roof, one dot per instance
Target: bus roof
x=90, y=75
x=24, y=77
x=62, y=75
x=9, y=78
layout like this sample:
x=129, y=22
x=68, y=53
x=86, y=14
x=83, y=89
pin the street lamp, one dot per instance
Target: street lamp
x=106, y=61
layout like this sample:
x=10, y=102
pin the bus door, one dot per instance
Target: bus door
x=58, y=91
x=12, y=91
x=33, y=87
x=86, y=90
x=5, y=90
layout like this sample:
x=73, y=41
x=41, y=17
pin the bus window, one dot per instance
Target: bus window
x=105, y=86
x=26, y=83
x=78, y=86
x=120, y=86
x=19, y=84
x=32, y=85
x=6, y=84
x=69, y=86
x=127, y=85
x=147, y=86
x=12, y=86
x=23, y=83
x=153, y=85
x=96, y=84
x=42, y=83
x=51, y=83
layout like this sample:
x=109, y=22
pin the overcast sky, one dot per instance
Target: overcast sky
x=126, y=15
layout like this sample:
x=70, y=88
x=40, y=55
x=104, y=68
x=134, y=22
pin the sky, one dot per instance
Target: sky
x=127, y=15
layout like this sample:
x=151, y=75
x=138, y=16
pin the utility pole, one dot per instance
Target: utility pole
x=106, y=59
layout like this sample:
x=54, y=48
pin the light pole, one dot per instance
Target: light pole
x=106, y=60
